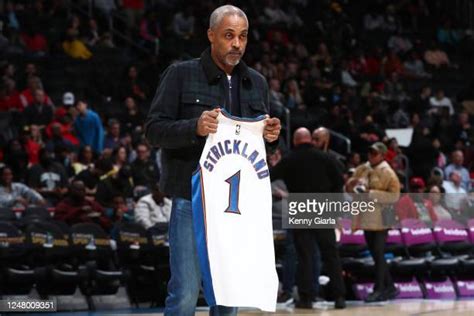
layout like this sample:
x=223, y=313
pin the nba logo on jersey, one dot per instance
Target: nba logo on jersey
x=232, y=213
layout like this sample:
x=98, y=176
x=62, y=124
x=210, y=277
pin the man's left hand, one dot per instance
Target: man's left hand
x=272, y=129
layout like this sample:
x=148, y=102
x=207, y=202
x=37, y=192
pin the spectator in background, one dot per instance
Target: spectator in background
x=63, y=120
x=106, y=7
x=57, y=139
x=463, y=129
x=16, y=156
x=440, y=100
x=67, y=102
x=414, y=204
x=92, y=36
x=75, y=48
x=421, y=102
x=448, y=36
x=33, y=142
x=354, y=160
x=112, y=139
x=88, y=127
x=144, y=170
x=277, y=99
x=120, y=157
x=9, y=96
x=183, y=23
x=34, y=42
x=153, y=208
x=75, y=208
x=435, y=195
x=346, y=77
x=379, y=181
x=17, y=195
x=131, y=85
x=39, y=112
x=85, y=160
x=121, y=210
x=30, y=71
x=399, y=44
x=373, y=21
x=321, y=138
x=116, y=183
x=92, y=175
x=456, y=195
x=27, y=95
x=457, y=161
x=414, y=67
x=294, y=100
x=435, y=57
x=392, y=64
x=150, y=32
x=48, y=177
x=132, y=118
x=133, y=10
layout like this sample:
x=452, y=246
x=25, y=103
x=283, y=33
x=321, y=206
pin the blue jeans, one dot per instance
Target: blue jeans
x=289, y=265
x=185, y=282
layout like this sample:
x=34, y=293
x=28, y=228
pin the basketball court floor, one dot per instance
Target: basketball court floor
x=393, y=308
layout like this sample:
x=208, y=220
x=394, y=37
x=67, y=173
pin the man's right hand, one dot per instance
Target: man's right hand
x=207, y=123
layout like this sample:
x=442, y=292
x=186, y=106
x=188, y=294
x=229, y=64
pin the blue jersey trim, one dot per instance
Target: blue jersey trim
x=242, y=119
x=199, y=220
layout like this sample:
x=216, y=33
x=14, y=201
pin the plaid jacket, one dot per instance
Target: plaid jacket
x=186, y=89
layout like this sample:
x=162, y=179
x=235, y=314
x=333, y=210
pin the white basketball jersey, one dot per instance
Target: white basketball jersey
x=232, y=212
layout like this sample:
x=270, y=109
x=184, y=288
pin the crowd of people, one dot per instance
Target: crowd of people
x=354, y=74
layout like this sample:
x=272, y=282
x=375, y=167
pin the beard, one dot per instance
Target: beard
x=232, y=59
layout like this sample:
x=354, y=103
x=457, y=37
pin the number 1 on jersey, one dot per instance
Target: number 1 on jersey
x=234, y=188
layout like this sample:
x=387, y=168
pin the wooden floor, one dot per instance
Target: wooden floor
x=393, y=308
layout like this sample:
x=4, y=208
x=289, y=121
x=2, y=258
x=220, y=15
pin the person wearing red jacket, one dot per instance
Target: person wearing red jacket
x=414, y=205
x=75, y=208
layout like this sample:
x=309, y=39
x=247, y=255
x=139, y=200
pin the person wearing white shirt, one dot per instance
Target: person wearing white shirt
x=440, y=100
x=153, y=208
x=456, y=196
x=457, y=161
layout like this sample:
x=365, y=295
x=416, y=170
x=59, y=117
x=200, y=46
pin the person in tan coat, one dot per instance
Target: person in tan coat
x=379, y=182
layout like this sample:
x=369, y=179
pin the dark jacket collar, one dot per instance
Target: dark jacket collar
x=304, y=146
x=214, y=73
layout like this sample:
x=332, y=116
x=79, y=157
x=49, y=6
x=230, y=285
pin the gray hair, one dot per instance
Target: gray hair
x=225, y=10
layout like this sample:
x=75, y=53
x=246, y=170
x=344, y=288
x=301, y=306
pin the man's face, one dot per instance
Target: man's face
x=228, y=40
x=7, y=176
x=143, y=153
x=115, y=130
x=78, y=190
x=318, y=140
x=456, y=178
x=81, y=107
x=375, y=157
x=458, y=158
x=39, y=96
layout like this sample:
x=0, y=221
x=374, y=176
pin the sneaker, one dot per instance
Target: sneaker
x=391, y=292
x=340, y=303
x=318, y=299
x=376, y=296
x=304, y=304
x=285, y=298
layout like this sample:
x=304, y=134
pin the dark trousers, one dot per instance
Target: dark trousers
x=326, y=240
x=376, y=244
x=289, y=265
